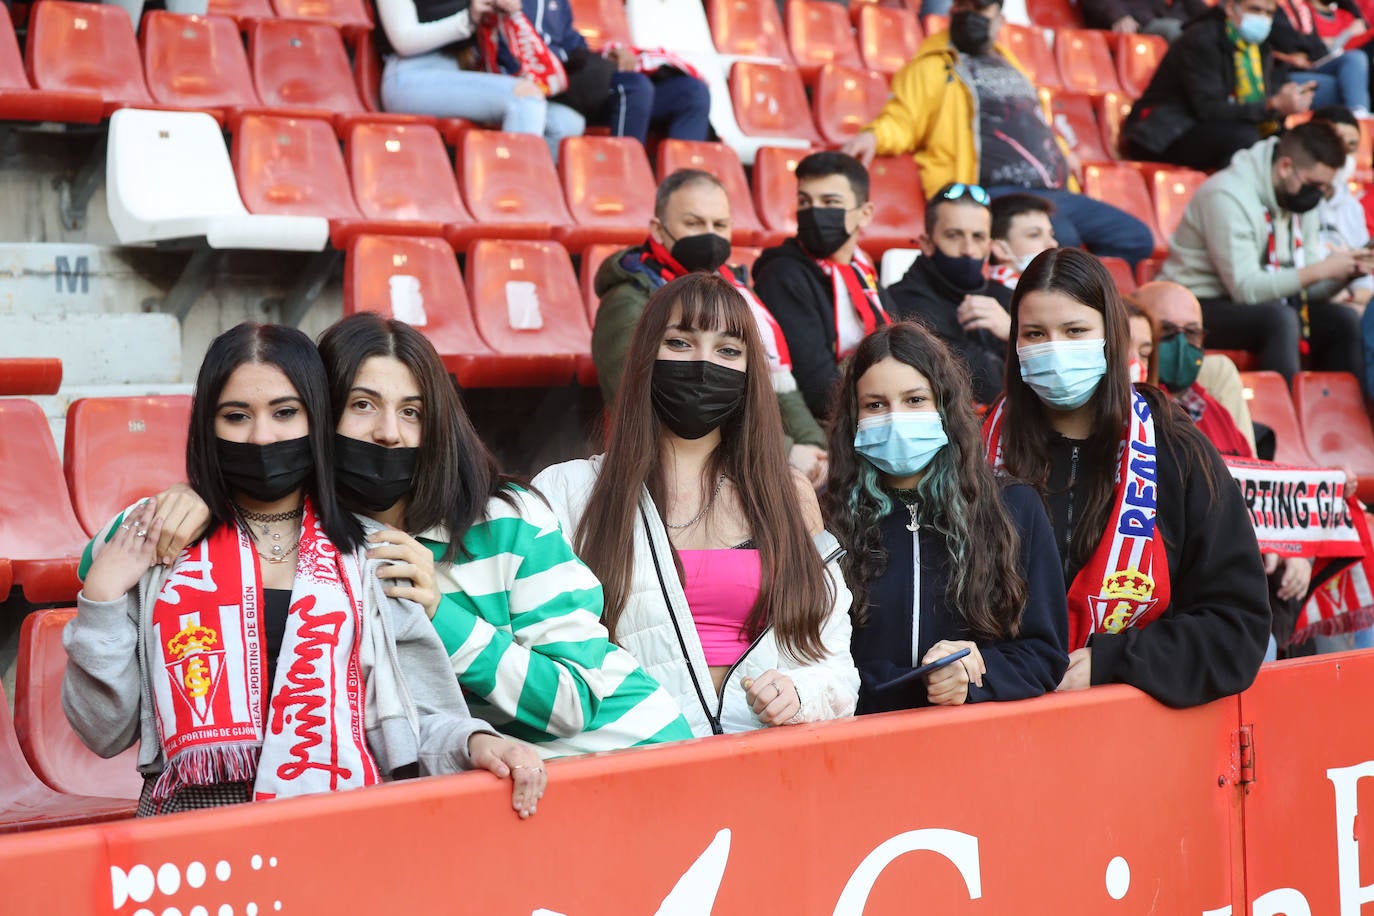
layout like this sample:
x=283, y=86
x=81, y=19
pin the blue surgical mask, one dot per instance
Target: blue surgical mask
x=1254, y=27
x=1064, y=373
x=902, y=443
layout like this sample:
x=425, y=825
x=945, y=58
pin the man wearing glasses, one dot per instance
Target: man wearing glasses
x=968, y=112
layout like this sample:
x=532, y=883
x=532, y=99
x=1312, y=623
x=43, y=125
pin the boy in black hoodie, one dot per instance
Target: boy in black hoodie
x=821, y=289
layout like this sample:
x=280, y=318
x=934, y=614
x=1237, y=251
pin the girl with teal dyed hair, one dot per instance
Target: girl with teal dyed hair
x=942, y=556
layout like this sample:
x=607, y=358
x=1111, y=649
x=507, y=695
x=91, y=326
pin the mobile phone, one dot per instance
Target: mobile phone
x=923, y=670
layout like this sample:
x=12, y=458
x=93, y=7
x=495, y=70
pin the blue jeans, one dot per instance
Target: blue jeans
x=1342, y=81
x=433, y=84
x=1081, y=221
x=680, y=103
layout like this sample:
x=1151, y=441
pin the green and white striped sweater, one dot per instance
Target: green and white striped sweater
x=521, y=620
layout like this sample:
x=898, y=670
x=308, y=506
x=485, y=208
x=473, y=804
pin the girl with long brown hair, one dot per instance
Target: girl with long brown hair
x=939, y=555
x=1165, y=585
x=717, y=573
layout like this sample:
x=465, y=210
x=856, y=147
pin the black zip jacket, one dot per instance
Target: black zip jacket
x=1029, y=665
x=1103, y=14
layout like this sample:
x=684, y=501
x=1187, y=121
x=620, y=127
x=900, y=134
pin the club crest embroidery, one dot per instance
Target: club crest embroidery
x=195, y=667
x=1125, y=596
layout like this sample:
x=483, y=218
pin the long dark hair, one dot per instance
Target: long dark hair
x=794, y=594
x=960, y=497
x=1027, y=434
x=455, y=473
x=292, y=352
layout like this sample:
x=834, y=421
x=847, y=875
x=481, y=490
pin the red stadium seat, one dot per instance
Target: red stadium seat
x=119, y=450
x=819, y=33
x=349, y=15
x=196, y=62
x=1270, y=404
x=1245, y=360
x=1029, y=47
x=529, y=310
x=1112, y=109
x=888, y=38
x=1124, y=187
x=1054, y=14
x=1365, y=154
x=39, y=533
x=748, y=28
x=770, y=101
x=509, y=184
x=401, y=174
x=846, y=99
x=1071, y=113
x=722, y=162
x=6, y=578
x=293, y=167
x=1121, y=273
x=1085, y=61
x=609, y=189
x=592, y=258
x=26, y=803
x=1335, y=425
x=1137, y=58
x=242, y=11
x=601, y=22
x=775, y=187
x=301, y=68
x=85, y=47
x=1147, y=269
x=57, y=754
x=30, y=375
x=19, y=101
x=1171, y=190
x=935, y=22
x=417, y=281
x=895, y=189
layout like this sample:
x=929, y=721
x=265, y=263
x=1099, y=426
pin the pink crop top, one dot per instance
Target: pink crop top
x=721, y=587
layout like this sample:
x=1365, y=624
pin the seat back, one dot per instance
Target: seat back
x=301, y=66
x=770, y=100
x=819, y=33
x=118, y=450
x=196, y=61
x=678, y=25
x=510, y=178
x=1267, y=395
x=1365, y=154
x=607, y=182
x=1137, y=59
x=36, y=518
x=899, y=205
x=592, y=258
x=30, y=375
x=292, y=167
x=1124, y=188
x=1054, y=14
x=242, y=11
x=1029, y=46
x=1121, y=273
x=1335, y=425
x=601, y=22
x=1171, y=190
x=775, y=187
x=721, y=161
x=1072, y=115
x=748, y=29
x=846, y=98
x=888, y=38
x=84, y=46
x=57, y=754
x=12, y=75
x=1112, y=110
x=1085, y=61
x=344, y=14
x=402, y=172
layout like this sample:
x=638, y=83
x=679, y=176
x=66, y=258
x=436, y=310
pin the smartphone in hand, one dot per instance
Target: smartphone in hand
x=923, y=670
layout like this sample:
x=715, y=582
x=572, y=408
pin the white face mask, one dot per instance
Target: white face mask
x=1023, y=262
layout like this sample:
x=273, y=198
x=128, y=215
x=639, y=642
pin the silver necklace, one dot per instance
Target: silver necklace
x=704, y=509
x=277, y=551
x=908, y=498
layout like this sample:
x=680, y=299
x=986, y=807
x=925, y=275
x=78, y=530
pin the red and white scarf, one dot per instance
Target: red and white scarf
x=536, y=59
x=1272, y=265
x=221, y=715
x=1125, y=582
x=1343, y=603
x=860, y=281
x=652, y=60
x=1005, y=274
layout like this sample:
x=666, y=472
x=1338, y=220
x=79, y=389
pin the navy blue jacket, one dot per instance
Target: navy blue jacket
x=553, y=20
x=1031, y=664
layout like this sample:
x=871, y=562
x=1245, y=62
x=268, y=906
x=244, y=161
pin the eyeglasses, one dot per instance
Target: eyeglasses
x=959, y=189
x=1194, y=334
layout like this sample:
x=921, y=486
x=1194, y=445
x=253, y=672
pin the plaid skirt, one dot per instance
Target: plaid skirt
x=193, y=798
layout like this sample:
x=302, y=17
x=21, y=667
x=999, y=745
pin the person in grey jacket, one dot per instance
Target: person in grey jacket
x=269, y=659
x=1247, y=247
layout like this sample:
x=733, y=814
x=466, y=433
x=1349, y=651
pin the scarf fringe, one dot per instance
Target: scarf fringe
x=208, y=766
x=1340, y=625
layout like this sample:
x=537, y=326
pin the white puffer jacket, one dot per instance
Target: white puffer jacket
x=657, y=629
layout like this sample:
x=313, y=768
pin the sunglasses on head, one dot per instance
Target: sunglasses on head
x=959, y=189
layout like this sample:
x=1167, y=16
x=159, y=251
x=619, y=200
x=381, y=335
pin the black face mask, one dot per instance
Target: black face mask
x=370, y=475
x=821, y=230
x=265, y=473
x=706, y=251
x=963, y=273
x=1307, y=197
x=694, y=397
x=969, y=32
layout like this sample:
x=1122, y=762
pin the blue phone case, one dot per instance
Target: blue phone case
x=923, y=670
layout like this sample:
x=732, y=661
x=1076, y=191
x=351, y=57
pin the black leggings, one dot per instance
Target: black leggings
x=1272, y=331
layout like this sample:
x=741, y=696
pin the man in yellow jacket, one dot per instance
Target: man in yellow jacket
x=966, y=109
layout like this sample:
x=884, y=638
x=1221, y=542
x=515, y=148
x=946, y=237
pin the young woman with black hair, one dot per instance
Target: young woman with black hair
x=265, y=661
x=940, y=556
x=1165, y=585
